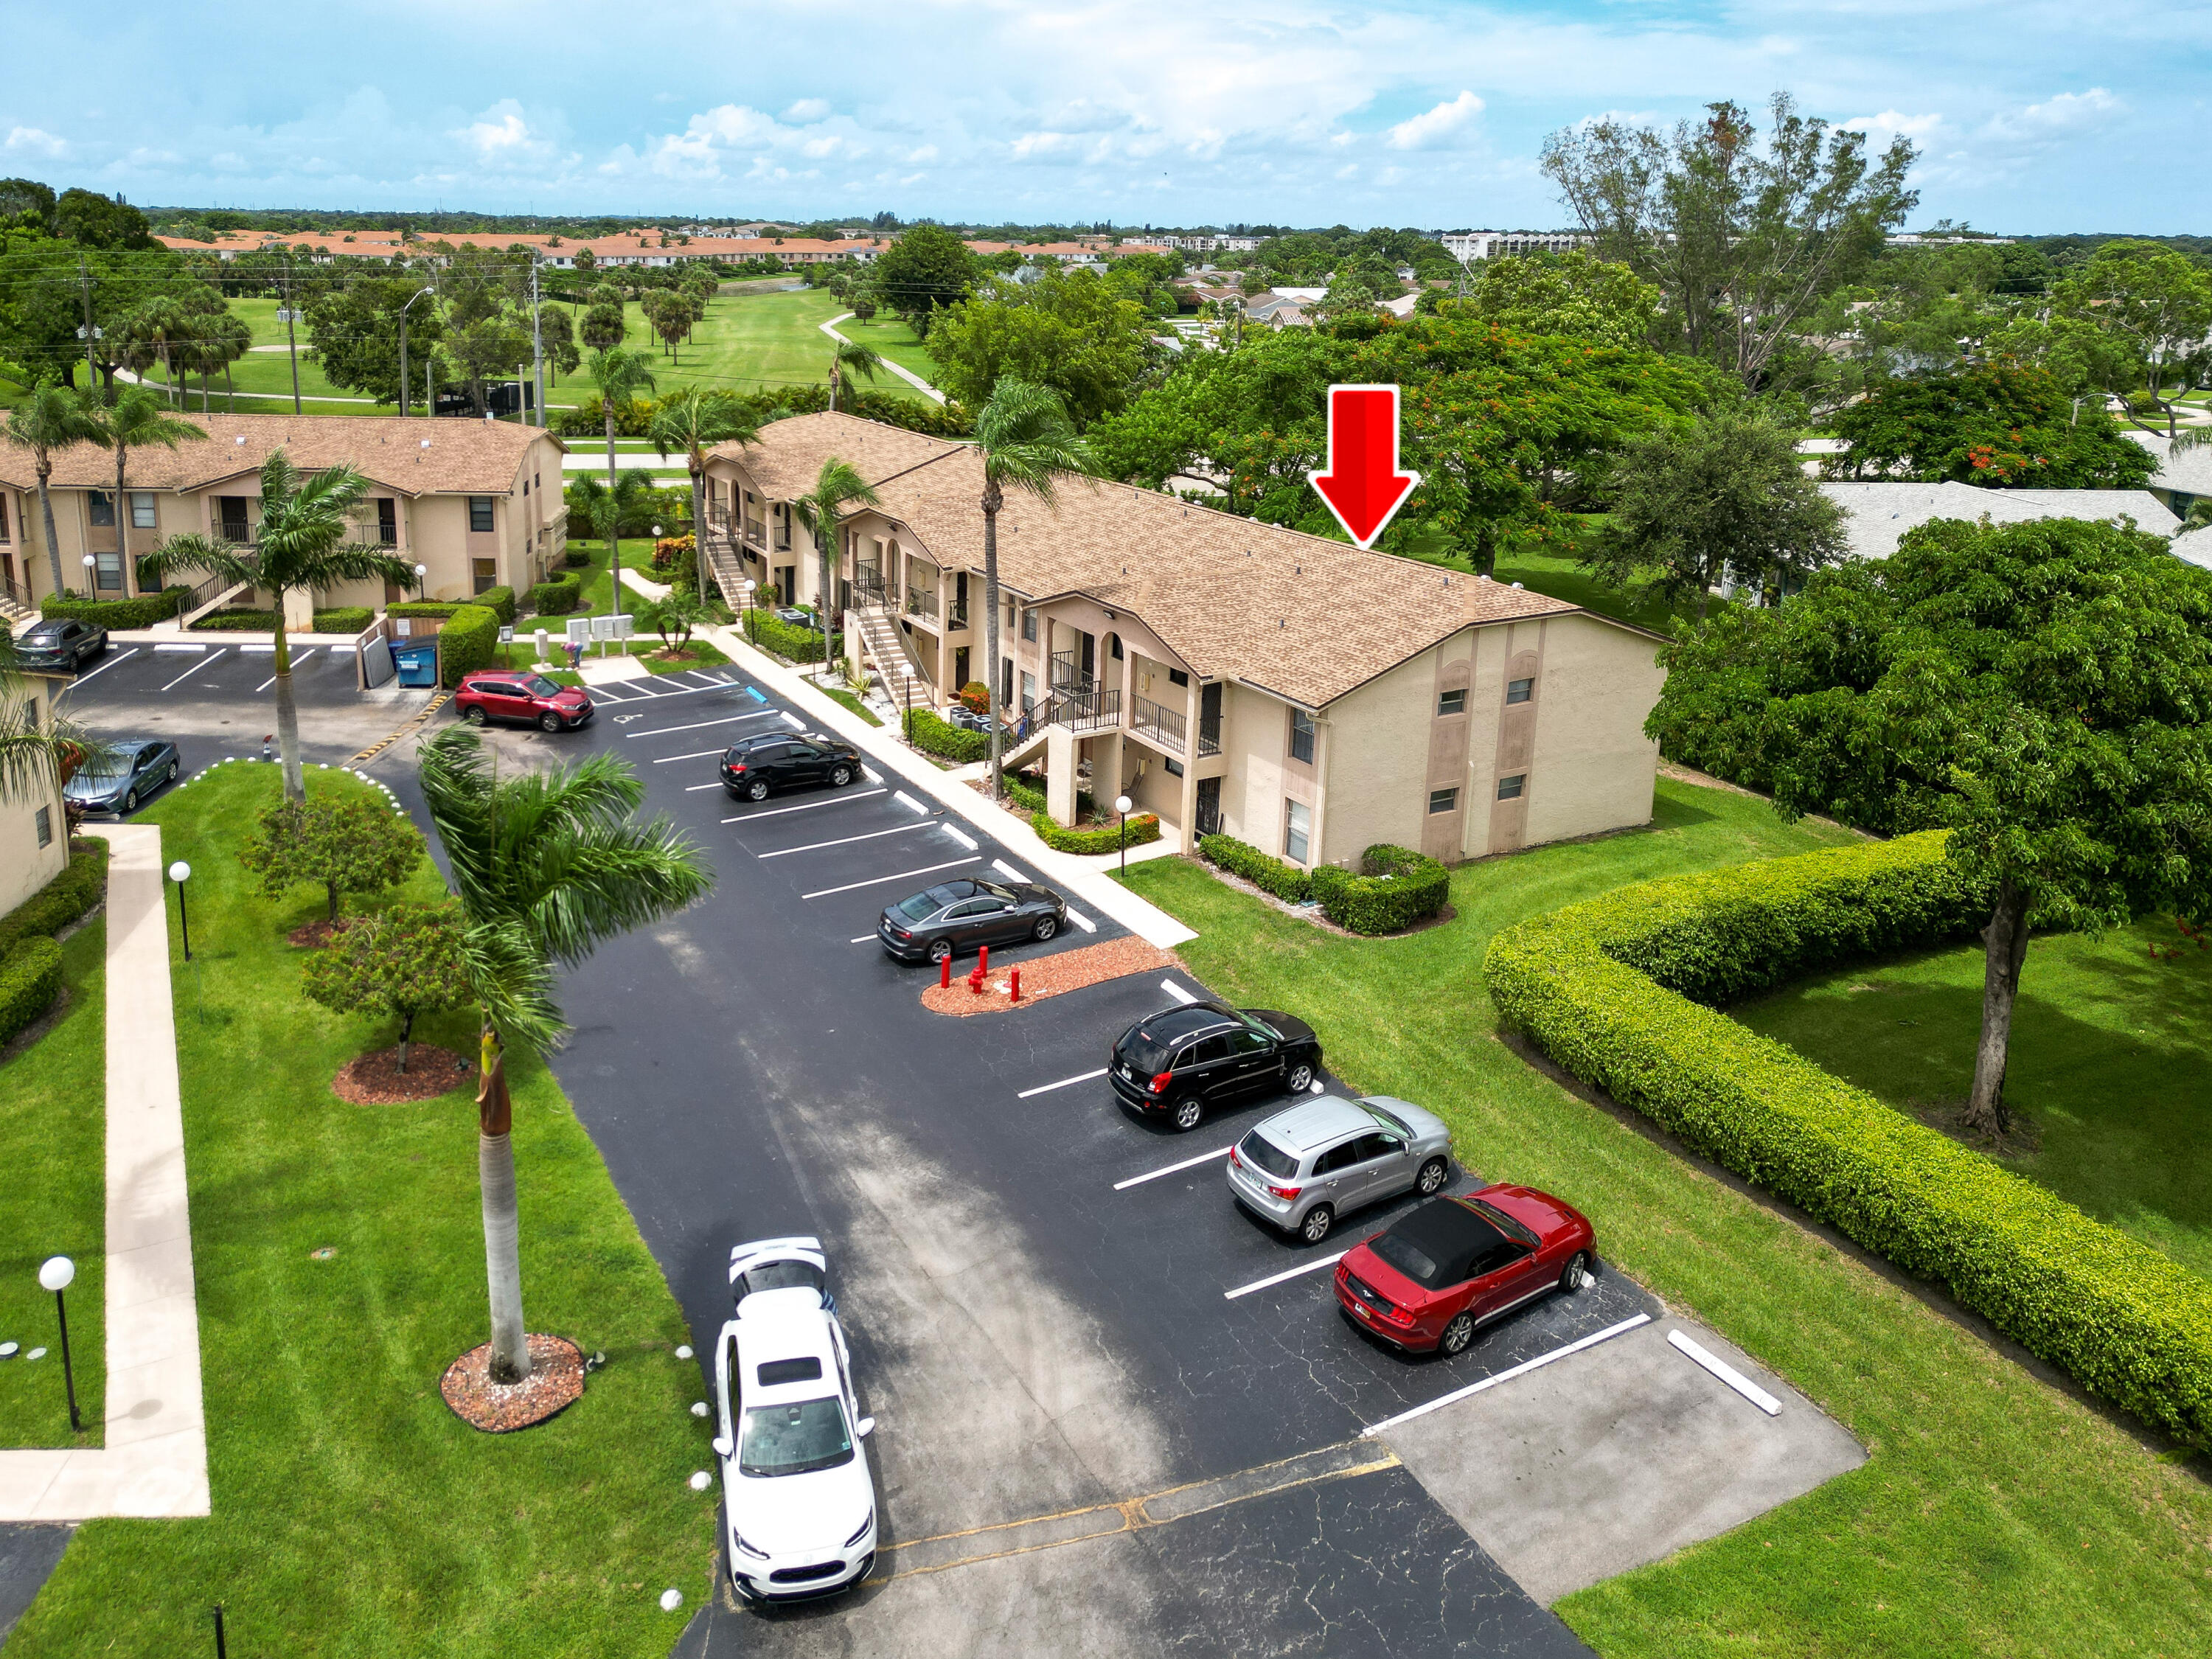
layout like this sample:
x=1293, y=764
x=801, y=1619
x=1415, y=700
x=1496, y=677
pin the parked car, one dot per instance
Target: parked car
x=1459, y=1262
x=1302, y=1169
x=780, y=1264
x=116, y=777
x=799, y=1501
x=1185, y=1059
x=751, y=767
x=60, y=643
x=521, y=699
x=955, y=916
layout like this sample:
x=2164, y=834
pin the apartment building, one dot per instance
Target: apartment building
x=477, y=503
x=1466, y=245
x=34, y=831
x=1296, y=692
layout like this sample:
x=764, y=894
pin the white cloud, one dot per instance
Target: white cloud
x=1427, y=130
x=501, y=138
x=2065, y=116
x=1889, y=123
x=807, y=109
x=30, y=141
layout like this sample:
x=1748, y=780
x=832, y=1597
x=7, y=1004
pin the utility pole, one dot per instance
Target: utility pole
x=84, y=280
x=536, y=337
x=291, y=337
x=403, y=310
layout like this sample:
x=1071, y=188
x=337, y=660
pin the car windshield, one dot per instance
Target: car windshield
x=1256, y=1024
x=1408, y=1258
x=780, y=1276
x=808, y=1434
x=105, y=764
x=1507, y=1224
x=1264, y=1154
x=538, y=686
x=1390, y=1119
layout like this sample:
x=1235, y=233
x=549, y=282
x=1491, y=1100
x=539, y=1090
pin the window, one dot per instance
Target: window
x=45, y=826
x=1443, y=801
x=1298, y=831
x=1028, y=691
x=3, y=519
x=480, y=513
x=100, y=506
x=1509, y=789
x=1302, y=736
x=1113, y=643
x=525, y=490
x=141, y=510
x=1246, y=1041
x=1452, y=702
x=1176, y=676
x=1337, y=1157
x=1173, y=767
x=107, y=572
x=1203, y=1052
x=1029, y=626
x=1520, y=690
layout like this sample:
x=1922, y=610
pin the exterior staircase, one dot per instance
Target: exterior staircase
x=883, y=646
x=16, y=606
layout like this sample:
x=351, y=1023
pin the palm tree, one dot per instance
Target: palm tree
x=32, y=760
x=621, y=374
x=303, y=543
x=838, y=486
x=1027, y=443
x=851, y=356
x=695, y=421
x=149, y=333
x=136, y=420
x=548, y=866
x=52, y=418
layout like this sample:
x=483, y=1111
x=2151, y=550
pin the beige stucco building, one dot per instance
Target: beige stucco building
x=477, y=503
x=34, y=835
x=1297, y=692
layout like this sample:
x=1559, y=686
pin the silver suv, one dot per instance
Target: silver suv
x=1302, y=1168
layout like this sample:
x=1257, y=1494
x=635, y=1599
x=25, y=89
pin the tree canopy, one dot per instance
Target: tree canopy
x=2003, y=425
x=1574, y=293
x=926, y=270
x=1078, y=334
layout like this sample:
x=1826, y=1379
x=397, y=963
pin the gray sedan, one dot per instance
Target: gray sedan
x=1302, y=1168
x=116, y=777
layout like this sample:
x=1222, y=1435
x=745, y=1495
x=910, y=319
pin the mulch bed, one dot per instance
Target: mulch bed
x=555, y=1383
x=376, y=1079
x=313, y=935
x=1048, y=976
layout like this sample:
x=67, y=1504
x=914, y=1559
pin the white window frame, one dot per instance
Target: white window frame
x=144, y=499
x=1298, y=837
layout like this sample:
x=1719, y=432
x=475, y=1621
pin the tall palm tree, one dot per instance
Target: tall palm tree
x=850, y=356
x=695, y=421
x=1027, y=443
x=620, y=374
x=304, y=543
x=148, y=334
x=52, y=418
x=548, y=866
x=605, y=509
x=837, y=487
x=136, y=420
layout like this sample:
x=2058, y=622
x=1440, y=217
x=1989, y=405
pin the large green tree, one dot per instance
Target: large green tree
x=926, y=270
x=1078, y=334
x=1570, y=294
x=402, y=963
x=2002, y=425
x=2043, y=690
x=2153, y=303
x=353, y=333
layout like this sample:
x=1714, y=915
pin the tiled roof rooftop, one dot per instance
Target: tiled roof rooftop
x=1881, y=514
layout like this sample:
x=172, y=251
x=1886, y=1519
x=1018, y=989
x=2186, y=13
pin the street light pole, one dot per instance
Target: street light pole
x=1122, y=805
x=403, y=310
x=181, y=872
x=57, y=1274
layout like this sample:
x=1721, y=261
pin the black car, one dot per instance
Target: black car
x=115, y=777
x=960, y=915
x=60, y=643
x=751, y=767
x=1183, y=1059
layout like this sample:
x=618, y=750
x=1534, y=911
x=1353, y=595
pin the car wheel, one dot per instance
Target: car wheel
x=170, y=776
x=474, y=714
x=756, y=790
x=840, y=775
x=1577, y=1270
x=1186, y=1113
x=131, y=801
x=1046, y=927
x=1314, y=1228
x=1431, y=1177
x=939, y=949
x=549, y=722
x=1301, y=1077
x=1457, y=1335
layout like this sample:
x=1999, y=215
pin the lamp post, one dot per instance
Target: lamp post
x=57, y=1274
x=403, y=310
x=1122, y=805
x=90, y=563
x=181, y=872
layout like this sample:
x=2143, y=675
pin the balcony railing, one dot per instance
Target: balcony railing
x=373, y=535
x=921, y=602
x=1166, y=726
x=1066, y=676
x=756, y=534
x=956, y=618
x=1093, y=710
x=1209, y=734
x=868, y=583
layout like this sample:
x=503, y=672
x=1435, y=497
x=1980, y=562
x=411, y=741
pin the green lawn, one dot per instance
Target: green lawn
x=2107, y=1064
x=891, y=336
x=53, y=1122
x=751, y=343
x=353, y=1513
x=1996, y=1515
x=1563, y=578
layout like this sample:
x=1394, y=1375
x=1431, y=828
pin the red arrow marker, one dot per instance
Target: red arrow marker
x=1362, y=485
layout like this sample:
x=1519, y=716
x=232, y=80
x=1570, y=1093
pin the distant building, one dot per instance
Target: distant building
x=1879, y=514
x=1465, y=245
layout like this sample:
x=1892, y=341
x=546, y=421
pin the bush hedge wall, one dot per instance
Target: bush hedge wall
x=932, y=734
x=1612, y=989
x=1284, y=881
x=82, y=884
x=1026, y=790
x=500, y=599
x=557, y=598
x=30, y=980
x=1396, y=887
x=1139, y=829
x=466, y=642
x=345, y=619
x=141, y=612
x=772, y=633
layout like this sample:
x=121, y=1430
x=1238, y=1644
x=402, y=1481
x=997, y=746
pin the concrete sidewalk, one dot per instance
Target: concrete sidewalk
x=154, y=1462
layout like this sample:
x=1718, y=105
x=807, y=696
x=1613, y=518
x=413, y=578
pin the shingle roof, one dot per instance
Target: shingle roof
x=1879, y=514
x=462, y=457
x=1301, y=615
x=2190, y=470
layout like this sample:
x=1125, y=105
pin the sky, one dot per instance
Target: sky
x=2030, y=116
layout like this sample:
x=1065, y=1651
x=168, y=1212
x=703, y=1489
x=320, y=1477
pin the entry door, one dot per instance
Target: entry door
x=1089, y=660
x=1209, y=806
x=960, y=663
x=486, y=574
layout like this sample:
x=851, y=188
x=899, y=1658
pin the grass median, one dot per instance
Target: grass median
x=353, y=1513
x=1996, y=1515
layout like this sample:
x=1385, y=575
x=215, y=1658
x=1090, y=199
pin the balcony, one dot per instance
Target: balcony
x=370, y=535
x=921, y=602
x=868, y=584
x=1209, y=734
x=1092, y=710
x=1067, y=675
x=956, y=616
x=756, y=535
x=1167, y=727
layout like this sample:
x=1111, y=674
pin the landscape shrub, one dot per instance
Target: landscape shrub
x=1612, y=990
x=949, y=420
x=30, y=980
x=558, y=597
x=466, y=642
x=142, y=612
x=1026, y=790
x=500, y=599
x=423, y=608
x=344, y=619
x=1144, y=827
x=574, y=557
x=772, y=633
x=82, y=884
x=933, y=735
x=975, y=697
x=1284, y=881
x=674, y=553
x=1396, y=887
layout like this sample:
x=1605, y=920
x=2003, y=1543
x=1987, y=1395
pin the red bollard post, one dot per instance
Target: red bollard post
x=944, y=973
x=983, y=961
x=1014, y=987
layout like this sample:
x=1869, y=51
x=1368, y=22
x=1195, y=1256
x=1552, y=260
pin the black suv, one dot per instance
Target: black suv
x=751, y=767
x=1183, y=1059
x=60, y=643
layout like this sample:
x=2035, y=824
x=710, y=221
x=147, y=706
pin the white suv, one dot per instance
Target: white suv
x=799, y=1498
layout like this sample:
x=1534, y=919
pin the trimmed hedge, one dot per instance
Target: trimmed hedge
x=1284, y=881
x=346, y=619
x=575, y=558
x=1612, y=989
x=424, y=608
x=141, y=612
x=557, y=598
x=30, y=980
x=82, y=884
x=933, y=735
x=466, y=642
x=1144, y=827
x=500, y=599
x=772, y=633
x=1026, y=790
x=1396, y=887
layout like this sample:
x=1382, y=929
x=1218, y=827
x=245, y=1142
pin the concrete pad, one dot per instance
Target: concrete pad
x=1618, y=1455
x=600, y=671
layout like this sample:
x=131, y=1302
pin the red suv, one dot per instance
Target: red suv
x=492, y=694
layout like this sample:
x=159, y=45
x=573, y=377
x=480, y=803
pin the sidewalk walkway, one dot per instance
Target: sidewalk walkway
x=154, y=1462
x=906, y=374
x=1083, y=878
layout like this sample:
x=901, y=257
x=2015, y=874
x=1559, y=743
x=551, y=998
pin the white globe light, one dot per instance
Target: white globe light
x=89, y=562
x=59, y=1272
x=180, y=871
x=1122, y=804
x=656, y=529
x=422, y=569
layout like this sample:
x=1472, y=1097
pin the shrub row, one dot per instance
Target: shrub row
x=558, y=597
x=500, y=599
x=633, y=420
x=1284, y=881
x=932, y=734
x=30, y=980
x=1026, y=790
x=772, y=633
x=141, y=612
x=1612, y=989
x=1139, y=829
x=424, y=608
x=466, y=642
x=345, y=619
x=82, y=884
x=1396, y=887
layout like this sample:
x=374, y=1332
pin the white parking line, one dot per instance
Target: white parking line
x=694, y=788
x=726, y=719
x=1277, y=1278
x=797, y=724
x=1083, y=922
x=1589, y=1342
x=1172, y=1168
x=1727, y=1373
x=965, y=841
x=870, y=775
x=696, y=754
x=105, y=666
x=172, y=646
x=1176, y=991
x=1011, y=874
x=296, y=661
x=196, y=667
x=611, y=695
x=903, y=875
x=808, y=806
x=1065, y=1083
x=864, y=939
x=842, y=841
x=905, y=799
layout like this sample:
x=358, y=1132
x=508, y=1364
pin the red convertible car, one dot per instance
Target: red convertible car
x=1458, y=1262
